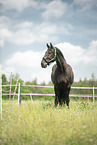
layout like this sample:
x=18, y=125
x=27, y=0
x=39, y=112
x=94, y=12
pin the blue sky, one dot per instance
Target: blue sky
x=26, y=26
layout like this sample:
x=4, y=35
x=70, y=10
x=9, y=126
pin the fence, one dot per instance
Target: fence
x=71, y=95
x=37, y=94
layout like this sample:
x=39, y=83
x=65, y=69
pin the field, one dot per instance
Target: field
x=41, y=123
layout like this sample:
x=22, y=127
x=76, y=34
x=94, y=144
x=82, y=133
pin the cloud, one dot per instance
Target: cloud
x=76, y=54
x=5, y=35
x=25, y=59
x=24, y=25
x=73, y=54
x=54, y=9
x=23, y=37
x=26, y=33
x=83, y=5
x=4, y=21
x=5, y=32
x=92, y=53
x=18, y=6
x=51, y=9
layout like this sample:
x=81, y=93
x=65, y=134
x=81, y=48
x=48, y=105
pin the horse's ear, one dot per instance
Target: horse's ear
x=51, y=45
x=47, y=45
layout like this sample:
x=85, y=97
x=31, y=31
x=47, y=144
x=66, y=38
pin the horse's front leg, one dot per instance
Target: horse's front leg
x=56, y=96
x=67, y=99
x=67, y=103
x=56, y=101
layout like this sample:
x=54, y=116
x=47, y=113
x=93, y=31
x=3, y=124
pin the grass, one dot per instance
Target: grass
x=41, y=123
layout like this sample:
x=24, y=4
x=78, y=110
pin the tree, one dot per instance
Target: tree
x=93, y=77
x=4, y=79
x=34, y=82
x=92, y=80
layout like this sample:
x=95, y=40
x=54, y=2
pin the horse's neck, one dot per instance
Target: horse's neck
x=61, y=62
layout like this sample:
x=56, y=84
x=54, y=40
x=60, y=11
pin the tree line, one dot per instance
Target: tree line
x=26, y=89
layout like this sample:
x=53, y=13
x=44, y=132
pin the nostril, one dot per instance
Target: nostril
x=43, y=64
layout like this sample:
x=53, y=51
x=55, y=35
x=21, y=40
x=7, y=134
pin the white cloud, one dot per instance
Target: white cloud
x=5, y=35
x=54, y=8
x=25, y=59
x=24, y=25
x=76, y=54
x=23, y=37
x=51, y=28
x=26, y=33
x=92, y=53
x=73, y=54
x=5, y=32
x=4, y=22
x=93, y=44
x=15, y=5
x=48, y=31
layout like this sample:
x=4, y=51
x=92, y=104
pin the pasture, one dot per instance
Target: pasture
x=41, y=123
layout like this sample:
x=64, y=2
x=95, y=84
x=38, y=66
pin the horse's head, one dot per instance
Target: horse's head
x=49, y=57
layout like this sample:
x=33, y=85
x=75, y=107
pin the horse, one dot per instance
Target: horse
x=62, y=75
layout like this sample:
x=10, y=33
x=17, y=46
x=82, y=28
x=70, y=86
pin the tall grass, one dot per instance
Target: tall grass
x=41, y=123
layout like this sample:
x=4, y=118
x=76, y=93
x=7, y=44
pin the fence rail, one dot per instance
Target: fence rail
x=38, y=94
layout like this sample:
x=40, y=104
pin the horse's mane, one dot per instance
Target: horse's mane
x=60, y=53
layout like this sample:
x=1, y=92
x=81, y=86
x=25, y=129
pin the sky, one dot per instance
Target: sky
x=28, y=25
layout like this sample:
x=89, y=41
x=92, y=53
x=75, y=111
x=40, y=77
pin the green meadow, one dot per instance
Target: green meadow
x=41, y=123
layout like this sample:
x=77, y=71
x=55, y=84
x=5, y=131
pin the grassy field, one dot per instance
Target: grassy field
x=41, y=123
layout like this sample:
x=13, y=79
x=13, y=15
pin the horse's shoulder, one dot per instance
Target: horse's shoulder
x=53, y=72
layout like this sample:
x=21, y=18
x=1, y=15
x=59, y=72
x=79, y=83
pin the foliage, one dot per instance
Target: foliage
x=4, y=79
x=41, y=123
x=26, y=89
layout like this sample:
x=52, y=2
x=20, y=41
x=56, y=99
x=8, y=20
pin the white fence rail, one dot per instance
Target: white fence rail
x=38, y=94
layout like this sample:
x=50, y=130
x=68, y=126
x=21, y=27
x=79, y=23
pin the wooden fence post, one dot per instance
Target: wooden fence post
x=1, y=90
x=10, y=88
x=19, y=94
x=93, y=94
x=31, y=99
x=15, y=89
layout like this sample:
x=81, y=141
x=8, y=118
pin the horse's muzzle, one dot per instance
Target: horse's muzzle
x=43, y=64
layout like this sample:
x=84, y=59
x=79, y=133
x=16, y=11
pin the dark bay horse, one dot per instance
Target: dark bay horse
x=62, y=75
